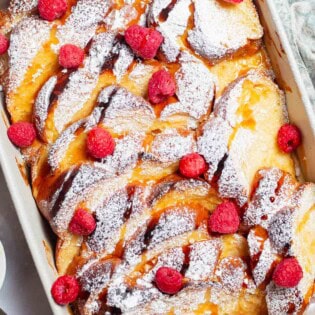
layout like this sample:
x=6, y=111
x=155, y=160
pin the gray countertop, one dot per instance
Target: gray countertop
x=22, y=292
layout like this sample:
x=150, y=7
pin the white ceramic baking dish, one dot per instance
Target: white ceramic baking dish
x=37, y=233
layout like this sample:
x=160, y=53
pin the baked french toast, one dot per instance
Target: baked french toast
x=161, y=154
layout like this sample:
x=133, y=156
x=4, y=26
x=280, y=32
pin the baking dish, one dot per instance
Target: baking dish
x=38, y=234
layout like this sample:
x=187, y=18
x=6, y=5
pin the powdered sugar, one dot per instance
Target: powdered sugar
x=19, y=6
x=125, y=112
x=174, y=26
x=266, y=201
x=280, y=300
x=213, y=36
x=264, y=264
x=83, y=81
x=172, y=223
x=170, y=146
x=118, y=19
x=110, y=218
x=195, y=90
x=81, y=25
x=203, y=259
x=26, y=40
x=42, y=104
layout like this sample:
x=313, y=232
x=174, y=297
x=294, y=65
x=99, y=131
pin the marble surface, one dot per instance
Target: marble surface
x=22, y=292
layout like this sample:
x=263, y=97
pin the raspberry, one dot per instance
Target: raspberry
x=82, y=223
x=225, y=218
x=65, y=290
x=71, y=56
x=288, y=273
x=289, y=138
x=22, y=134
x=145, y=42
x=192, y=165
x=52, y=9
x=161, y=86
x=100, y=143
x=234, y=1
x=168, y=280
x=4, y=44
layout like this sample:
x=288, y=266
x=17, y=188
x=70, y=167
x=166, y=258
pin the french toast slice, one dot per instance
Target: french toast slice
x=206, y=27
x=281, y=224
x=240, y=136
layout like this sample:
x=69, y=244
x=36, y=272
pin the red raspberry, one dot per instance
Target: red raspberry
x=22, y=134
x=192, y=165
x=234, y=1
x=225, y=218
x=82, y=223
x=145, y=42
x=4, y=44
x=289, y=138
x=65, y=290
x=52, y=9
x=288, y=273
x=168, y=280
x=161, y=86
x=100, y=143
x=71, y=56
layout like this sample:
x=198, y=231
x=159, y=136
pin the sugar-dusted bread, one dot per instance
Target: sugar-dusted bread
x=281, y=216
x=212, y=29
x=239, y=138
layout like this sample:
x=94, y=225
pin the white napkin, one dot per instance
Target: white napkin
x=298, y=20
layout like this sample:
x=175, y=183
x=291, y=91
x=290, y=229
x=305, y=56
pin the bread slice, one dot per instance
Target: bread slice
x=282, y=227
x=33, y=52
x=240, y=136
x=207, y=27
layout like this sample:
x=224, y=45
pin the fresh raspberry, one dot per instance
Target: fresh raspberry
x=192, y=165
x=65, y=290
x=52, y=9
x=4, y=44
x=161, y=86
x=288, y=273
x=289, y=138
x=71, y=56
x=145, y=42
x=168, y=280
x=22, y=134
x=225, y=218
x=234, y=1
x=82, y=223
x=100, y=143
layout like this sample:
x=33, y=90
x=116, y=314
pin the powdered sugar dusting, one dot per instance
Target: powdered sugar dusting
x=203, y=259
x=118, y=19
x=82, y=22
x=110, y=218
x=19, y=6
x=170, y=146
x=124, y=60
x=42, y=104
x=266, y=201
x=83, y=81
x=216, y=25
x=173, y=27
x=280, y=300
x=264, y=264
x=212, y=144
x=172, y=223
x=59, y=149
x=125, y=112
x=26, y=40
x=195, y=90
